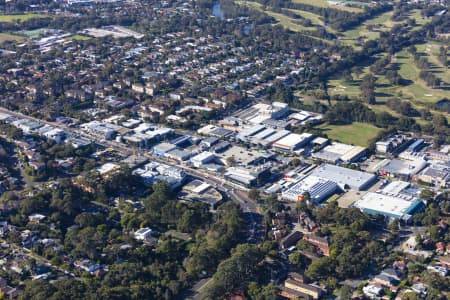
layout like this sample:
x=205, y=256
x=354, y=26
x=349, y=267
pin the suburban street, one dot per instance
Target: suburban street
x=235, y=192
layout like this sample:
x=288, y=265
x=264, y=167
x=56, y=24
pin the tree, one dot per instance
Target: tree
x=319, y=269
x=233, y=271
x=37, y=289
x=346, y=292
x=306, y=197
x=298, y=260
x=426, y=194
x=257, y=292
x=411, y=296
x=368, y=89
x=254, y=194
x=295, y=162
x=230, y=161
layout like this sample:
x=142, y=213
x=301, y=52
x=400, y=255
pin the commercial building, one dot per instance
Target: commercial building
x=401, y=189
x=338, y=152
x=178, y=155
x=292, y=142
x=277, y=135
x=345, y=178
x=100, y=130
x=247, y=132
x=5, y=118
x=52, y=133
x=199, y=191
x=202, y=158
x=436, y=174
x=246, y=176
x=260, y=112
x=243, y=157
x=389, y=206
x=78, y=142
x=154, y=172
x=163, y=148
x=209, y=142
x=318, y=188
x=27, y=126
x=400, y=167
x=216, y=131
x=393, y=144
x=136, y=140
x=303, y=117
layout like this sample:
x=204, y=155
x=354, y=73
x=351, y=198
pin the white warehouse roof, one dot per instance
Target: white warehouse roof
x=344, y=177
x=292, y=140
x=390, y=206
x=318, y=188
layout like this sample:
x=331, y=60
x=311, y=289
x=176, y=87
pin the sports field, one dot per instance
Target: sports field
x=354, y=134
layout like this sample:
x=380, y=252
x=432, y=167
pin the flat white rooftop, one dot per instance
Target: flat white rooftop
x=292, y=140
x=387, y=205
x=395, y=187
x=344, y=177
x=318, y=188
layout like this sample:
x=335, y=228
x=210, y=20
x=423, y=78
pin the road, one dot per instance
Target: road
x=26, y=252
x=234, y=191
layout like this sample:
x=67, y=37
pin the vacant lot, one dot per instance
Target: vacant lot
x=355, y=134
x=20, y=17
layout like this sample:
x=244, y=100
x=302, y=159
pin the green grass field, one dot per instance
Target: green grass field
x=33, y=33
x=315, y=19
x=418, y=92
x=4, y=37
x=78, y=37
x=324, y=3
x=20, y=17
x=284, y=20
x=381, y=23
x=431, y=50
x=355, y=134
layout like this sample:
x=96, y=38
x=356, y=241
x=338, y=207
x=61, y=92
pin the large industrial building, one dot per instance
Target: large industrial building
x=345, y=178
x=389, y=206
x=247, y=176
x=437, y=174
x=401, y=167
x=338, y=152
x=393, y=144
x=318, y=188
x=260, y=112
x=292, y=142
x=202, y=158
